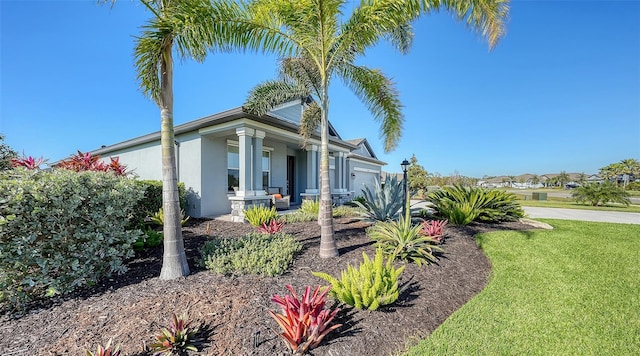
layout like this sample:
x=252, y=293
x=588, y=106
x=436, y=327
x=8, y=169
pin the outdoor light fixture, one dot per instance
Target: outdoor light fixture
x=405, y=166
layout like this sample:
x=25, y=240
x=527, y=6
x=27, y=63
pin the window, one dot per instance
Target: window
x=233, y=168
x=266, y=169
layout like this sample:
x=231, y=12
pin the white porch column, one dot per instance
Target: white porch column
x=312, y=169
x=244, y=143
x=340, y=170
x=257, y=162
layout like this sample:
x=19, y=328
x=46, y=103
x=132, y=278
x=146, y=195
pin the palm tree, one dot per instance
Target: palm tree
x=312, y=34
x=195, y=27
x=631, y=168
x=563, y=178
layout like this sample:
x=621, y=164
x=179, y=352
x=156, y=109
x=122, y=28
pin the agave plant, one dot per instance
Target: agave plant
x=385, y=202
x=402, y=240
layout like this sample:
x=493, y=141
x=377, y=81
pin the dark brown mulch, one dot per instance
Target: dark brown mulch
x=232, y=311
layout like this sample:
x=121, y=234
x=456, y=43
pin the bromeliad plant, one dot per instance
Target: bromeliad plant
x=273, y=227
x=434, y=229
x=105, y=351
x=258, y=215
x=304, y=321
x=178, y=337
x=81, y=162
x=158, y=217
x=370, y=286
x=402, y=240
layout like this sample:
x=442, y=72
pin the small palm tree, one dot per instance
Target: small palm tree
x=311, y=34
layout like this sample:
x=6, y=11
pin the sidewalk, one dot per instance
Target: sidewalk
x=583, y=215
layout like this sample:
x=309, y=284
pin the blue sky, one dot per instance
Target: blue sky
x=560, y=92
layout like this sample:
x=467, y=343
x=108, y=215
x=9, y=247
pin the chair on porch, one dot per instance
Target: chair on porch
x=277, y=199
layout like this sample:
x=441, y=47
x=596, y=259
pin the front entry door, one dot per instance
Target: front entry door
x=291, y=173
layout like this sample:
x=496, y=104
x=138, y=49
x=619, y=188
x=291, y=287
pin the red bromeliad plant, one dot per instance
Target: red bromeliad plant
x=105, y=351
x=28, y=162
x=434, y=229
x=273, y=227
x=304, y=321
x=87, y=162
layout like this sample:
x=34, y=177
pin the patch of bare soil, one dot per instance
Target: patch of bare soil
x=232, y=311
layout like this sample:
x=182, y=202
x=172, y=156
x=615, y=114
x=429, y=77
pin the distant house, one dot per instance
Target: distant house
x=229, y=161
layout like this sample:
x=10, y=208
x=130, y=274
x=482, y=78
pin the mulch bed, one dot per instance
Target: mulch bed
x=232, y=311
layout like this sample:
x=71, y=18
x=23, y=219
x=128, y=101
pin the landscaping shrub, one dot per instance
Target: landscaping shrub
x=600, y=194
x=255, y=253
x=344, y=211
x=311, y=207
x=402, y=240
x=384, y=203
x=304, y=321
x=158, y=218
x=258, y=215
x=151, y=238
x=370, y=286
x=61, y=230
x=298, y=216
x=152, y=200
x=462, y=205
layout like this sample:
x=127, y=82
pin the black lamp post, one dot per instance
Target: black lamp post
x=405, y=166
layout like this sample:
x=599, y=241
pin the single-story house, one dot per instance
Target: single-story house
x=231, y=160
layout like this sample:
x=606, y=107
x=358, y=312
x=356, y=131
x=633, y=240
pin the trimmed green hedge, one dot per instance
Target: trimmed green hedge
x=60, y=230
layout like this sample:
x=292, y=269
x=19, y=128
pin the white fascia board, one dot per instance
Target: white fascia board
x=366, y=170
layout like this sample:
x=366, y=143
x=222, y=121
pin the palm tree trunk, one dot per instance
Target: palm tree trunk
x=174, y=259
x=328, y=246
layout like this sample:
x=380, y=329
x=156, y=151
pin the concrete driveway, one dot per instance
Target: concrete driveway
x=583, y=215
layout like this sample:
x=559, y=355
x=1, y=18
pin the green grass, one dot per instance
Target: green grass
x=633, y=208
x=571, y=291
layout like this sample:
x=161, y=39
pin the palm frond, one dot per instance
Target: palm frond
x=488, y=17
x=380, y=96
x=267, y=95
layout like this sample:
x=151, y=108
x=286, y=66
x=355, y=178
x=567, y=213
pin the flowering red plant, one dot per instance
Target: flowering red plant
x=304, y=321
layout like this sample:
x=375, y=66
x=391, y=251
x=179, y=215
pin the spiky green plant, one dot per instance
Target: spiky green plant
x=158, y=217
x=384, y=202
x=258, y=215
x=402, y=240
x=462, y=205
x=311, y=207
x=370, y=286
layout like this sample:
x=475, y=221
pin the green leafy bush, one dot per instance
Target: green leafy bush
x=370, y=286
x=258, y=215
x=262, y=254
x=63, y=230
x=151, y=238
x=152, y=200
x=384, y=203
x=344, y=211
x=462, y=205
x=600, y=194
x=402, y=240
x=298, y=216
